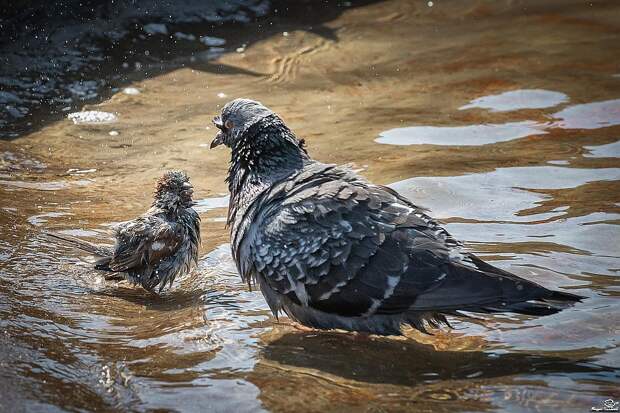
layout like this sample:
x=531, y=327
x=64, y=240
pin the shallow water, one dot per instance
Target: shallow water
x=542, y=201
x=55, y=59
x=593, y=115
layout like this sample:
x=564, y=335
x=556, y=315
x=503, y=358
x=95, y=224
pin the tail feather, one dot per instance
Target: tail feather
x=526, y=307
x=540, y=301
x=95, y=249
x=557, y=296
x=562, y=297
x=103, y=264
x=487, y=289
x=551, y=303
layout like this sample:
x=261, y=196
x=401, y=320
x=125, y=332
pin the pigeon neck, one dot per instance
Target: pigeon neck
x=267, y=154
x=169, y=203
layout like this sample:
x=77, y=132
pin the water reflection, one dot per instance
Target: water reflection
x=508, y=194
x=611, y=150
x=406, y=363
x=44, y=186
x=40, y=219
x=390, y=375
x=460, y=135
x=207, y=204
x=518, y=99
x=585, y=116
x=589, y=115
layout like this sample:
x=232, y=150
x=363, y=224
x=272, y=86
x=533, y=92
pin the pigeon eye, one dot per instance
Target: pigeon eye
x=228, y=124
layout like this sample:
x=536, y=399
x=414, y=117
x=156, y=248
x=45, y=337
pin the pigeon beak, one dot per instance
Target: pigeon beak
x=219, y=139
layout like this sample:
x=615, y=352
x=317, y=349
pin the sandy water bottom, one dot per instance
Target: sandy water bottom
x=501, y=118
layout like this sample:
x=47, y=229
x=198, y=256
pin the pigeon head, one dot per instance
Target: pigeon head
x=263, y=150
x=174, y=190
x=258, y=138
x=237, y=117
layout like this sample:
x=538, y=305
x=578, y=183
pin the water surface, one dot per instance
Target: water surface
x=518, y=99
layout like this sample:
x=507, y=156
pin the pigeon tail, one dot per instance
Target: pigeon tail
x=551, y=303
x=95, y=249
x=488, y=289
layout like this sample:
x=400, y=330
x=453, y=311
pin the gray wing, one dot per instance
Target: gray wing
x=333, y=242
x=142, y=245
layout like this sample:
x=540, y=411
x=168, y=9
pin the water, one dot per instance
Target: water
x=590, y=115
x=518, y=99
x=593, y=115
x=92, y=117
x=544, y=204
x=460, y=135
x=77, y=52
x=611, y=150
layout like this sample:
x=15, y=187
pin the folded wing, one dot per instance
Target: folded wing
x=329, y=241
x=143, y=247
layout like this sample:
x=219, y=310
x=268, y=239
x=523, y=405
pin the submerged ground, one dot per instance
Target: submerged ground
x=502, y=117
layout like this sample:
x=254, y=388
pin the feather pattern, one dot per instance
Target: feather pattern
x=155, y=248
x=333, y=250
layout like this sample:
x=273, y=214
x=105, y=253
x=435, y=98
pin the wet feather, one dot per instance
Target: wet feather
x=332, y=250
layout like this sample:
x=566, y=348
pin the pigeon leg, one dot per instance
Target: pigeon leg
x=359, y=336
x=302, y=327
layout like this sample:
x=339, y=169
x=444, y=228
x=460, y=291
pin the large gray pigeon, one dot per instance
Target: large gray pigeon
x=333, y=250
x=153, y=249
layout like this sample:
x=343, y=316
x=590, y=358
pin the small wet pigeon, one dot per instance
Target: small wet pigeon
x=153, y=249
x=334, y=251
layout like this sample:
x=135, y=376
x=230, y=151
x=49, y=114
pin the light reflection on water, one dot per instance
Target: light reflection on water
x=589, y=115
x=198, y=339
x=584, y=116
x=44, y=186
x=504, y=195
x=207, y=204
x=518, y=99
x=611, y=150
x=460, y=135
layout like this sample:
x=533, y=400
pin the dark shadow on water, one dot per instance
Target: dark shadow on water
x=387, y=361
x=224, y=69
x=43, y=77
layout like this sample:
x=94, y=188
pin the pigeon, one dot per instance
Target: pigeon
x=333, y=251
x=155, y=248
